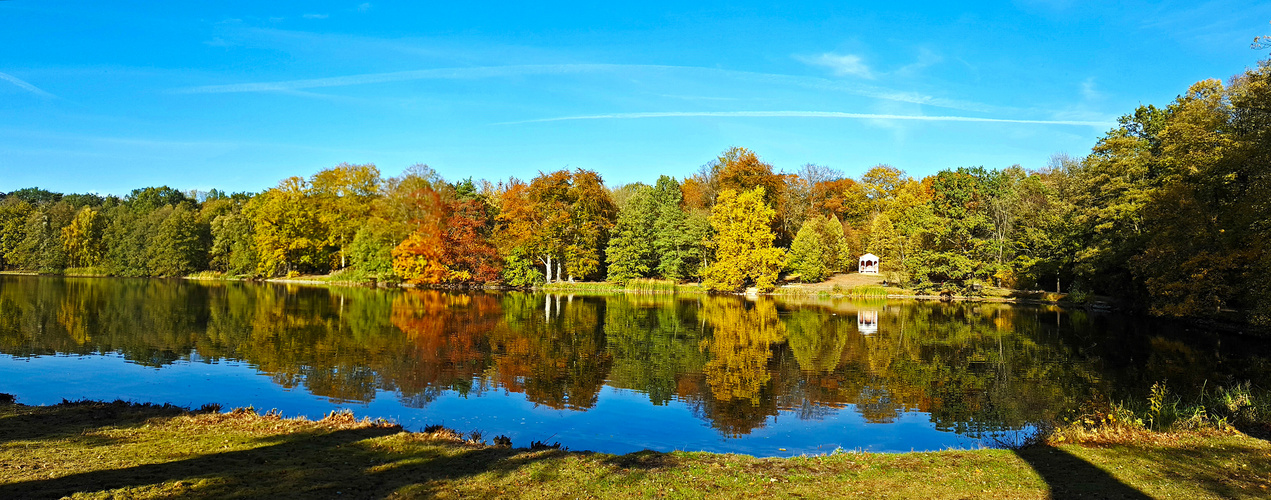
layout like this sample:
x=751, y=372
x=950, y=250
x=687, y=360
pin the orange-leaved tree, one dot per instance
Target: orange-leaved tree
x=451, y=240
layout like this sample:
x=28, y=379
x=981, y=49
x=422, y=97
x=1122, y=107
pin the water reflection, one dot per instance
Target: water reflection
x=972, y=369
x=867, y=322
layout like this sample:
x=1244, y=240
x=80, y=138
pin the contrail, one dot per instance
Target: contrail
x=402, y=76
x=560, y=69
x=807, y=114
x=24, y=85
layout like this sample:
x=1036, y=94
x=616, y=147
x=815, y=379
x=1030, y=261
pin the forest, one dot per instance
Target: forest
x=1169, y=213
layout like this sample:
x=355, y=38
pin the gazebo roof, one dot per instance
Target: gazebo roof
x=869, y=256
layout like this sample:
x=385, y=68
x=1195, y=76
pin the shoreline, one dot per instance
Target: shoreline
x=1097, y=305
x=597, y=287
x=158, y=451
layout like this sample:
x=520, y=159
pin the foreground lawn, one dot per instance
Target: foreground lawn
x=112, y=450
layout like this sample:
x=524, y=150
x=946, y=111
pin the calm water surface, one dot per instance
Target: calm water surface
x=767, y=377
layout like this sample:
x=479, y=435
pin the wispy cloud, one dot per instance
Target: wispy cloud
x=810, y=114
x=316, y=16
x=712, y=74
x=364, y=7
x=926, y=58
x=1089, y=91
x=840, y=64
x=25, y=86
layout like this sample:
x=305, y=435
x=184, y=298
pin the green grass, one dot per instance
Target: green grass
x=112, y=450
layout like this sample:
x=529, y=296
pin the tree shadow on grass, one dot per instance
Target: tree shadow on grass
x=1228, y=467
x=1071, y=477
x=318, y=463
x=302, y=464
x=79, y=418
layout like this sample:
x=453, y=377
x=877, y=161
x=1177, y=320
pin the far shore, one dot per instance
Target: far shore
x=831, y=288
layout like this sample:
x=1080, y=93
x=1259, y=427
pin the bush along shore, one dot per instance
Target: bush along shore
x=111, y=450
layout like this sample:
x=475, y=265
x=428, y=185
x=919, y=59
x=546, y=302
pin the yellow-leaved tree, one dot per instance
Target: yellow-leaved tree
x=744, y=254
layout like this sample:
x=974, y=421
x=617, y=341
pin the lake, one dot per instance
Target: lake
x=766, y=376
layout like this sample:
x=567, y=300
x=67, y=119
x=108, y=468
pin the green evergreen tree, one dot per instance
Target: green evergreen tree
x=819, y=249
x=807, y=253
x=631, y=253
x=676, y=242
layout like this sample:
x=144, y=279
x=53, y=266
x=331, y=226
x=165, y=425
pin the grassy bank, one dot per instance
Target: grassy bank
x=101, y=450
x=650, y=286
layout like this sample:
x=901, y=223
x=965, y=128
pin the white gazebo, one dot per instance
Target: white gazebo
x=869, y=264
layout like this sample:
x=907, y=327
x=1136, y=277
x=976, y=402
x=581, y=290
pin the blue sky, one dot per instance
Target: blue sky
x=108, y=96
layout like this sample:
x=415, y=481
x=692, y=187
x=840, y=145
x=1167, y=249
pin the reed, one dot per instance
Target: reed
x=866, y=291
x=652, y=286
x=601, y=287
x=1238, y=406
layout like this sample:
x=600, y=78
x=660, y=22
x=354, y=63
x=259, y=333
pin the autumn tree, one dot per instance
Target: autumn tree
x=744, y=253
x=451, y=240
x=13, y=214
x=289, y=230
x=394, y=215
x=82, y=239
x=592, y=214
x=343, y=195
x=551, y=218
x=560, y=220
x=516, y=235
x=880, y=185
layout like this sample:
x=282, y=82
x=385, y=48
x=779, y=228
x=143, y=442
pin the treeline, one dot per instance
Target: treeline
x=1169, y=211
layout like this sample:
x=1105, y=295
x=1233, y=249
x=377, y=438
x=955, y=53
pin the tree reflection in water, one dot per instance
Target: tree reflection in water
x=975, y=369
